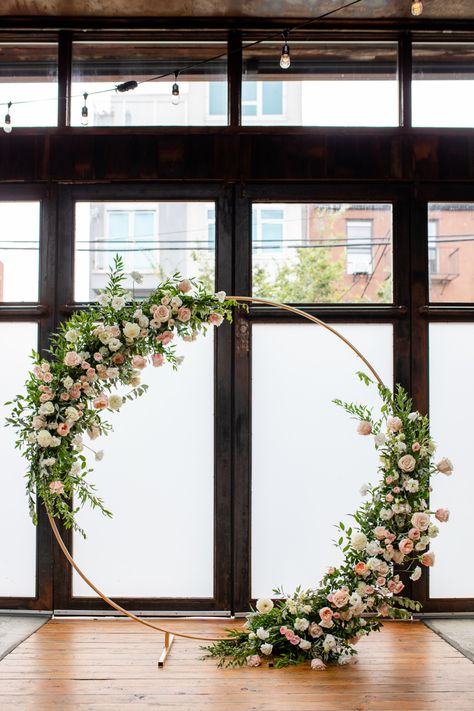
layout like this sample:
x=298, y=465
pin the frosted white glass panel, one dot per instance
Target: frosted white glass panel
x=308, y=462
x=18, y=551
x=157, y=477
x=19, y=251
x=451, y=397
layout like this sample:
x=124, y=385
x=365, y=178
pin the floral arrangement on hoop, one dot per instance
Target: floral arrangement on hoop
x=93, y=353
x=393, y=527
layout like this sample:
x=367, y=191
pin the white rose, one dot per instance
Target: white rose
x=103, y=299
x=31, y=438
x=220, y=296
x=112, y=372
x=264, y=605
x=355, y=600
x=411, y=485
x=49, y=461
x=55, y=441
x=374, y=563
x=379, y=439
x=301, y=624
x=372, y=548
x=72, y=335
x=176, y=302
x=99, y=455
x=118, y=302
x=305, y=644
x=143, y=321
x=72, y=414
x=68, y=382
x=416, y=575
x=47, y=408
x=386, y=514
x=263, y=633
x=114, y=344
x=266, y=648
x=131, y=330
x=364, y=490
x=104, y=337
x=329, y=643
x=358, y=541
x=115, y=402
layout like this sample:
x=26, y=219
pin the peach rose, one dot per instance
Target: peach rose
x=139, y=362
x=157, y=359
x=414, y=534
x=380, y=533
x=56, y=487
x=63, y=429
x=445, y=466
x=442, y=515
x=165, y=337
x=325, y=614
x=428, y=559
x=162, y=313
x=318, y=665
x=184, y=286
x=361, y=568
x=398, y=587
x=118, y=359
x=420, y=520
x=364, y=428
x=406, y=546
x=314, y=630
x=340, y=598
x=407, y=463
x=184, y=314
x=394, y=424
x=71, y=359
x=38, y=422
x=101, y=402
x=415, y=447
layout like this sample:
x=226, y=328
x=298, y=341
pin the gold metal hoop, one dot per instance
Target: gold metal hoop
x=169, y=634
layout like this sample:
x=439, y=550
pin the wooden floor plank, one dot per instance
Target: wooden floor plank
x=105, y=665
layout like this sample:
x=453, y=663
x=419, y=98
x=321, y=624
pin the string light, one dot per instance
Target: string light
x=416, y=8
x=175, y=90
x=85, y=111
x=285, y=53
x=7, y=125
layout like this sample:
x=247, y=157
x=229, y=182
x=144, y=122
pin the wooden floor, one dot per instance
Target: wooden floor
x=108, y=665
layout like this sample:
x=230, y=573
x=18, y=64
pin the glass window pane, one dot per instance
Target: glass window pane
x=301, y=475
x=218, y=98
x=157, y=477
x=451, y=251
x=156, y=239
x=322, y=252
x=272, y=98
x=29, y=73
x=327, y=84
x=19, y=251
x=451, y=395
x=101, y=65
x=443, y=84
x=17, y=533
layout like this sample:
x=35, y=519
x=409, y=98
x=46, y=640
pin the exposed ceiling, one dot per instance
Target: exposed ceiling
x=366, y=9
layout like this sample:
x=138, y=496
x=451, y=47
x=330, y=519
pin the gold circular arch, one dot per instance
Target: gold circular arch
x=115, y=605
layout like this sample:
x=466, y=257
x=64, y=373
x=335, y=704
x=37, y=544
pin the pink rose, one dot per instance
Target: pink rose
x=71, y=359
x=47, y=377
x=184, y=314
x=215, y=319
x=398, y=588
x=38, y=422
x=397, y=557
x=318, y=665
x=442, y=515
x=101, y=402
x=254, y=661
x=63, y=429
x=98, y=357
x=165, y=337
x=360, y=569
x=420, y=520
x=75, y=392
x=394, y=424
x=315, y=630
x=364, y=428
x=184, y=286
x=389, y=498
x=388, y=479
x=64, y=396
x=383, y=610
x=428, y=559
x=325, y=614
x=139, y=362
x=396, y=489
x=407, y=463
x=157, y=359
x=340, y=598
x=162, y=313
x=283, y=630
x=415, y=447
x=380, y=581
x=44, y=397
x=294, y=639
x=380, y=533
x=406, y=546
x=414, y=534
x=56, y=487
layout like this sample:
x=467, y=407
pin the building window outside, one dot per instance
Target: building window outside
x=268, y=229
x=359, y=246
x=131, y=234
x=433, y=256
x=259, y=99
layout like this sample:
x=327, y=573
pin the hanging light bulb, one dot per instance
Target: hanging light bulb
x=175, y=90
x=416, y=8
x=7, y=124
x=85, y=112
x=285, y=53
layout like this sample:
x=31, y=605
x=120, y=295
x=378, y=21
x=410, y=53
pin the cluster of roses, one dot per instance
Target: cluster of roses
x=95, y=352
x=394, y=529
